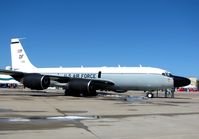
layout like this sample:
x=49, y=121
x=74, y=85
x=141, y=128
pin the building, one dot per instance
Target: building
x=194, y=82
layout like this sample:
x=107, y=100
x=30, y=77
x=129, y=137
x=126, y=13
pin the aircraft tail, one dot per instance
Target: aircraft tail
x=20, y=60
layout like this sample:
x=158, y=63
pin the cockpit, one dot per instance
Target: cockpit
x=168, y=74
x=178, y=81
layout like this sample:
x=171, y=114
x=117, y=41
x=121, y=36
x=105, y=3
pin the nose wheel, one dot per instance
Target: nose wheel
x=149, y=95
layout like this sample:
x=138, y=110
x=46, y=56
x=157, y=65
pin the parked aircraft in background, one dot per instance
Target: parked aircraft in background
x=8, y=80
x=84, y=81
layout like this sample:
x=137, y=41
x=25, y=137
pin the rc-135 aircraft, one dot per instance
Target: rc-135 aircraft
x=85, y=81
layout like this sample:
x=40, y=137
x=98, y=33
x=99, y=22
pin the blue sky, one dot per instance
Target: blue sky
x=157, y=33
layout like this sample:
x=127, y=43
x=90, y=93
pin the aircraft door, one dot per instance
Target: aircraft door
x=99, y=74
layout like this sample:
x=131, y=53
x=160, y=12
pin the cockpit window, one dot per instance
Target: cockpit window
x=166, y=74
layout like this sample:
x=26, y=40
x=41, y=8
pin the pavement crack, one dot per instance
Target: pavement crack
x=60, y=111
x=79, y=124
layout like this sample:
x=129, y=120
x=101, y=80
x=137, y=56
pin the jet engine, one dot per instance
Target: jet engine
x=80, y=87
x=36, y=81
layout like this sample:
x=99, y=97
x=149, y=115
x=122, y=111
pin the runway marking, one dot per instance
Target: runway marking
x=93, y=117
x=19, y=120
x=52, y=118
x=72, y=118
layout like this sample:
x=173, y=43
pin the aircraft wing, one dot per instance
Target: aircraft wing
x=15, y=74
x=10, y=72
x=102, y=84
x=59, y=79
x=97, y=84
x=43, y=79
x=19, y=75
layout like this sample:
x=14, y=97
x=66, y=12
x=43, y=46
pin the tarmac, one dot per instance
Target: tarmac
x=49, y=114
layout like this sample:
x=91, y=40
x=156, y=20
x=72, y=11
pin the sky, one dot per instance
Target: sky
x=71, y=33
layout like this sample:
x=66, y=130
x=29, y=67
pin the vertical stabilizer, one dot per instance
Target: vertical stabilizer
x=20, y=60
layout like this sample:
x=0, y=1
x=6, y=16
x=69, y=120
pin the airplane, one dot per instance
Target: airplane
x=6, y=79
x=85, y=81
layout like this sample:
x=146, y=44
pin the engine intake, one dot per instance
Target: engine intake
x=36, y=81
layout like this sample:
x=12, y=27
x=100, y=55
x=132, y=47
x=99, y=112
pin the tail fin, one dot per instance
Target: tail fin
x=20, y=60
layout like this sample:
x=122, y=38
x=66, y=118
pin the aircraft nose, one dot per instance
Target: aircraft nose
x=180, y=81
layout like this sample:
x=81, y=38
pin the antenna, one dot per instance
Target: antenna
x=22, y=38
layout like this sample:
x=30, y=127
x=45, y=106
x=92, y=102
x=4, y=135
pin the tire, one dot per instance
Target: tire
x=149, y=95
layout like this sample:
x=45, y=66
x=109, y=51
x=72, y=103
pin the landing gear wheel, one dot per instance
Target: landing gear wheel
x=81, y=95
x=67, y=92
x=77, y=93
x=149, y=95
x=93, y=93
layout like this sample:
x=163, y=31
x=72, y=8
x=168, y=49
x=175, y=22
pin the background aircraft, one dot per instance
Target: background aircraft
x=8, y=81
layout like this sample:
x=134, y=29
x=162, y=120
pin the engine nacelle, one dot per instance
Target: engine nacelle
x=81, y=86
x=36, y=81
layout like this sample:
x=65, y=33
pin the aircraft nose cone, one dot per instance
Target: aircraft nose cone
x=180, y=81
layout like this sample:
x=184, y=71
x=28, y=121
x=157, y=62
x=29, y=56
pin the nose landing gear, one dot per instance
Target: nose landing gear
x=149, y=95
